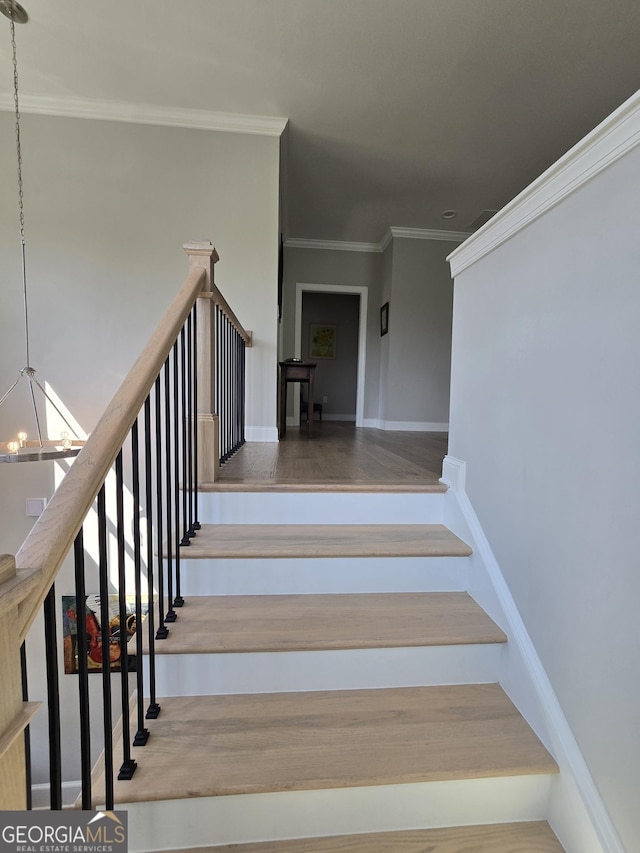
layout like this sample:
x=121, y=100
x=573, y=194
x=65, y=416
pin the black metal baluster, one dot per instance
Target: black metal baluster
x=228, y=367
x=27, y=732
x=183, y=419
x=234, y=388
x=225, y=379
x=196, y=523
x=104, y=648
x=154, y=709
x=128, y=767
x=83, y=670
x=190, y=427
x=142, y=734
x=218, y=380
x=53, y=699
x=243, y=387
x=238, y=396
x=178, y=601
x=171, y=614
x=163, y=632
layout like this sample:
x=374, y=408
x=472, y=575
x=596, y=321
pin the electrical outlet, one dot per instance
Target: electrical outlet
x=325, y=399
x=36, y=506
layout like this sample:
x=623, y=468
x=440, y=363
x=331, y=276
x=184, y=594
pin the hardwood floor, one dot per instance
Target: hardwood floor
x=338, y=456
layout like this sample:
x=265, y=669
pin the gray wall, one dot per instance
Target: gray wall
x=417, y=351
x=322, y=266
x=545, y=410
x=335, y=378
x=407, y=370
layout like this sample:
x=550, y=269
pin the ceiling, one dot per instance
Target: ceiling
x=398, y=109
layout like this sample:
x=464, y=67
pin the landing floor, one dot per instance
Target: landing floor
x=339, y=456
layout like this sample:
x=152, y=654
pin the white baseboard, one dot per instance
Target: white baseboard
x=405, y=426
x=292, y=422
x=413, y=426
x=453, y=473
x=261, y=433
x=576, y=811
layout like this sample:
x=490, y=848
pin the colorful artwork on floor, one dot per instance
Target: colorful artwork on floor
x=92, y=627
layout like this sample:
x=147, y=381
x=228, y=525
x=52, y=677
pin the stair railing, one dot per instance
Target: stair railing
x=134, y=488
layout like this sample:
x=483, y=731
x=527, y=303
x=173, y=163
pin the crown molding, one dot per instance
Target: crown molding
x=609, y=141
x=427, y=234
x=390, y=233
x=334, y=245
x=146, y=114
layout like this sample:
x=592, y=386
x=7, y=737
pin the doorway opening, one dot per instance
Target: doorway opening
x=334, y=378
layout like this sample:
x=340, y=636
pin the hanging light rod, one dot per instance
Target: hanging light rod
x=13, y=11
x=23, y=449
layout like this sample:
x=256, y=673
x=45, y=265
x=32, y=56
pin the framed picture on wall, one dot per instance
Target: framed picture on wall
x=322, y=340
x=384, y=319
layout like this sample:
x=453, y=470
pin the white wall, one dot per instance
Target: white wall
x=108, y=206
x=545, y=410
x=417, y=349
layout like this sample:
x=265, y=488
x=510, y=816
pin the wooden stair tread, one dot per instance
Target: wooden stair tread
x=253, y=743
x=276, y=623
x=324, y=540
x=530, y=837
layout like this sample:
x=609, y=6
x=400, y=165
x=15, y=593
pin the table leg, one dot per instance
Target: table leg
x=310, y=403
x=283, y=404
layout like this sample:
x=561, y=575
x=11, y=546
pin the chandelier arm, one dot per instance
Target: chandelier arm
x=48, y=398
x=6, y=393
x=35, y=410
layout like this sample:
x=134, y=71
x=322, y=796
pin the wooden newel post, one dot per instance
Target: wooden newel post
x=12, y=755
x=205, y=256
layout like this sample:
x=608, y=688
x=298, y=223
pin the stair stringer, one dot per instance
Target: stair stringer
x=577, y=813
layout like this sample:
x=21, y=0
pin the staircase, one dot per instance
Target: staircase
x=329, y=680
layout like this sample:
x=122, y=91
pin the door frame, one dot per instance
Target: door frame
x=343, y=289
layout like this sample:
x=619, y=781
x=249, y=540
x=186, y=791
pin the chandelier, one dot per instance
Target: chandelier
x=24, y=449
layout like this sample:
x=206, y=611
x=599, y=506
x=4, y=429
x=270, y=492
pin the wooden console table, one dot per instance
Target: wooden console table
x=295, y=371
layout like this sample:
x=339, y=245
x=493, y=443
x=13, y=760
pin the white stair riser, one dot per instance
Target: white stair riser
x=323, y=575
x=201, y=822
x=280, y=672
x=319, y=508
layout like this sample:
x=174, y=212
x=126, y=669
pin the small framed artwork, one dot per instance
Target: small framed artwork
x=322, y=340
x=384, y=319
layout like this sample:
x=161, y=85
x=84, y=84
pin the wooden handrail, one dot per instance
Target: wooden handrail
x=224, y=306
x=53, y=535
